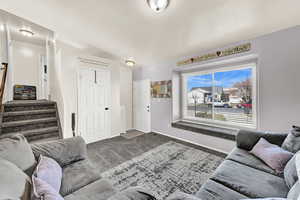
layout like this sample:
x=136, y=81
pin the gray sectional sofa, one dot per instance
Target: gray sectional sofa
x=242, y=175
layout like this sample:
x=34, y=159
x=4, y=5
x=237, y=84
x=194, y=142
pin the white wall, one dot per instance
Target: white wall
x=126, y=93
x=68, y=72
x=278, y=79
x=26, y=64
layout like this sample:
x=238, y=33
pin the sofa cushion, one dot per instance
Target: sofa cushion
x=77, y=175
x=14, y=183
x=244, y=157
x=290, y=172
x=64, y=151
x=273, y=155
x=49, y=171
x=292, y=141
x=249, y=181
x=212, y=190
x=17, y=150
x=98, y=190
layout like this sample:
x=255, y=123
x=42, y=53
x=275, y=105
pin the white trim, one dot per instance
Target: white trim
x=95, y=60
x=252, y=65
x=188, y=141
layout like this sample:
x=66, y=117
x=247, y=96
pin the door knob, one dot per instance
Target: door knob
x=106, y=108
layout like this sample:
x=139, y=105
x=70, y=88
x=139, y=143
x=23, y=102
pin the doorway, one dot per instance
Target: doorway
x=94, y=117
x=141, y=106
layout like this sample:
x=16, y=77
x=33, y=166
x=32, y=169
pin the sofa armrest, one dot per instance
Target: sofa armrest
x=246, y=139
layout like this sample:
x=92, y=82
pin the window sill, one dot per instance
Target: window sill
x=221, y=132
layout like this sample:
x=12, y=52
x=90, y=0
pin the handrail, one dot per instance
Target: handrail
x=3, y=80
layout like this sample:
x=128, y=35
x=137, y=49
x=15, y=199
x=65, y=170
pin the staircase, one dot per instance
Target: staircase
x=37, y=120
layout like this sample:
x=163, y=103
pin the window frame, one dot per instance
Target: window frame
x=228, y=67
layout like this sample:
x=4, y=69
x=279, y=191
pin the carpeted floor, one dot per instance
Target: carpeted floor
x=165, y=169
x=110, y=153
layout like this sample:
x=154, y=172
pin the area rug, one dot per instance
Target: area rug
x=165, y=169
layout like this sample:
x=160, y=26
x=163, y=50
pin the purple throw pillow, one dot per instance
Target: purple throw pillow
x=49, y=171
x=42, y=190
x=274, y=156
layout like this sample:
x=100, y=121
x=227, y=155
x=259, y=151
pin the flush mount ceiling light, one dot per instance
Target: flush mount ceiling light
x=129, y=63
x=26, y=32
x=158, y=5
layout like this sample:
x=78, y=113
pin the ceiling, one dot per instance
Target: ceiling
x=129, y=28
x=15, y=23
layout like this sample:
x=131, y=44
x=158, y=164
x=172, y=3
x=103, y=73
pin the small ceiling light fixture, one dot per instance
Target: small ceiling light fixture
x=26, y=32
x=129, y=63
x=158, y=5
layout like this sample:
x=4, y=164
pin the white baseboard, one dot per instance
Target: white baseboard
x=194, y=143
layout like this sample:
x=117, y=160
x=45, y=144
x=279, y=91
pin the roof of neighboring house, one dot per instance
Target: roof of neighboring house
x=209, y=89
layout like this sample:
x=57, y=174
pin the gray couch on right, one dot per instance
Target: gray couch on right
x=242, y=175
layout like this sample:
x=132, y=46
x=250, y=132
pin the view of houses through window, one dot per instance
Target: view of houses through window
x=222, y=96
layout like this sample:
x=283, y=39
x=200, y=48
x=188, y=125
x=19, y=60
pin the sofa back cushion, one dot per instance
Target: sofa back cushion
x=17, y=150
x=292, y=141
x=14, y=183
x=65, y=151
x=246, y=139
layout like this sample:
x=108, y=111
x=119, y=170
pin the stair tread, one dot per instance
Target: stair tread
x=31, y=132
x=28, y=103
x=28, y=112
x=24, y=122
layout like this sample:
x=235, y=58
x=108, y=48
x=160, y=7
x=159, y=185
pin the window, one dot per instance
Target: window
x=223, y=96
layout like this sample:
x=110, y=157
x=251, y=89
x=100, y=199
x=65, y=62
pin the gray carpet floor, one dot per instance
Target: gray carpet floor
x=110, y=153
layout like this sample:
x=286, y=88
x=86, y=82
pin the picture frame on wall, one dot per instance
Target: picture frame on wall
x=161, y=89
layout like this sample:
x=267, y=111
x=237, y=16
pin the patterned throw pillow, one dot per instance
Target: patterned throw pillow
x=294, y=192
x=290, y=172
x=292, y=141
x=14, y=183
x=17, y=151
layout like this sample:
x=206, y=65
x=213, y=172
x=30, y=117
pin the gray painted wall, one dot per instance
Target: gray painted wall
x=278, y=95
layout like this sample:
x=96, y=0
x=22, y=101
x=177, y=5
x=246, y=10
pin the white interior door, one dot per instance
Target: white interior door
x=94, y=103
x=43, y=78
x=141, y=106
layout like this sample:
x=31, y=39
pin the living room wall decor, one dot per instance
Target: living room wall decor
x=161, y=89
x=226, y=52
